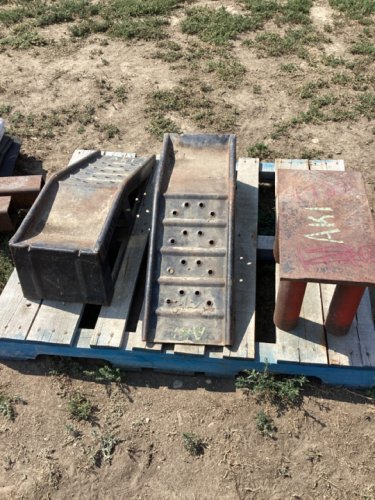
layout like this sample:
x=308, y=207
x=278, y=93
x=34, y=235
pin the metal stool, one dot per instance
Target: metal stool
x=325, y=234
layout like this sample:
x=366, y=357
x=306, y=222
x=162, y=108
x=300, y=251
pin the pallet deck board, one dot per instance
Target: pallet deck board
x=56, y=322
x=16, y=312
x=350, y=363
x=245, y=256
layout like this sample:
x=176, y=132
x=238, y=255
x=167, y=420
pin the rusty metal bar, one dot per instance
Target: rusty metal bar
x=343, y=308
x=8, y=214
x=288, y=304
x=24, y=190
x=276, y=247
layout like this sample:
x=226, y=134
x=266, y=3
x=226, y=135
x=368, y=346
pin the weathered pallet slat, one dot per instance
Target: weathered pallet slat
x=111, y=324
x=56, y=322
x=245, y=257
x=16, y=312
x=134, y=339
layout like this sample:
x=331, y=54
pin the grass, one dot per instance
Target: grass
x=186, y=100
x=292, y=11
x=79, y=407
x=24, y=41
x=193, y=444
x=159, y=125
x=53, y=123
x=277, y=387
x=216, y=26
x=359, y=10
x=295, y=41
x=259, y=150
x=126, y=19
x=264, y=424
x=288, y=68
x=310, y=89
x=7, y=405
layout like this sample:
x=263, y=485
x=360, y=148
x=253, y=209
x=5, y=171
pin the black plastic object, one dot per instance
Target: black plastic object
x=190, y=263
x=62, y=250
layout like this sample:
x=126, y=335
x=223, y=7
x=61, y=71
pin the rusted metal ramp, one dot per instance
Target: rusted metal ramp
x=190, y=265
x=67, y=246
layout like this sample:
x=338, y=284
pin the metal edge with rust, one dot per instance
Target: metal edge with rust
x=163, y=166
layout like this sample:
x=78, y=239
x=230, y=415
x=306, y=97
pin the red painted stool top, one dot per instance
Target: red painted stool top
x=326, y=232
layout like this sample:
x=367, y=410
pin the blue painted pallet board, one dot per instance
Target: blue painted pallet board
x=355, y=378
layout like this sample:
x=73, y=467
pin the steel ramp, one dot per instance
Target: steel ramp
x=190, y=264
x=64, y=249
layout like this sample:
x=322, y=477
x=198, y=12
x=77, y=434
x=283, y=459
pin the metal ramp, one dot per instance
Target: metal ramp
x=190, y=265
x=69, y=246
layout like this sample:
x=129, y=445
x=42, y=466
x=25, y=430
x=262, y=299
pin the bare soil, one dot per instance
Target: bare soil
x=323, y=447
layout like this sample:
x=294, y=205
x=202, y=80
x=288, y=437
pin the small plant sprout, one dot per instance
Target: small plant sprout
x=193, y=444
x=264, y=424
x=79, y=407
x=6, y=405
x=313, y=455
x=257, y=89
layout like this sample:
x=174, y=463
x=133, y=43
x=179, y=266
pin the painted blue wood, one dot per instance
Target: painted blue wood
x=360, y=378
x=266, y=171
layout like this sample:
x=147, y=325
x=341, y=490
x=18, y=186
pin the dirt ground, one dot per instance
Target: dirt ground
x=323, y=446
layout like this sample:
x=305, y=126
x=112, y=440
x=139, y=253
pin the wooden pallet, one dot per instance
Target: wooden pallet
x=30, y=328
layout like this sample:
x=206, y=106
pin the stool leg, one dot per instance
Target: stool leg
x=276, y=253
x=288, y=304
x=343, y=308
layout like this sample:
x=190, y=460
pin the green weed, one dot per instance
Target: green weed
x=217, y=26
x=259, y=150
x=363, y=47
x=309, y=89
x=25, y=41
x=279, y=387
x=79, y=407
x=293, y=12
x=311, y=154
x=106, y=449
x=159, y=125
x=105, y=373
x=264, y=424
x=188, y=101
x=109, y=129
x=257, y=89
x=170, y=56
x=288, y=68
x=193, y=444
x=294, y=42
x=340, y=79
x=359, y=10
x=5, y=109
x=313, y=455
x=121, y=93
x=6, y=405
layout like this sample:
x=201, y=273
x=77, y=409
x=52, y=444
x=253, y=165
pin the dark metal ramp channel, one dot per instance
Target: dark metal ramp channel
x=63, y=248
x=189, y=283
